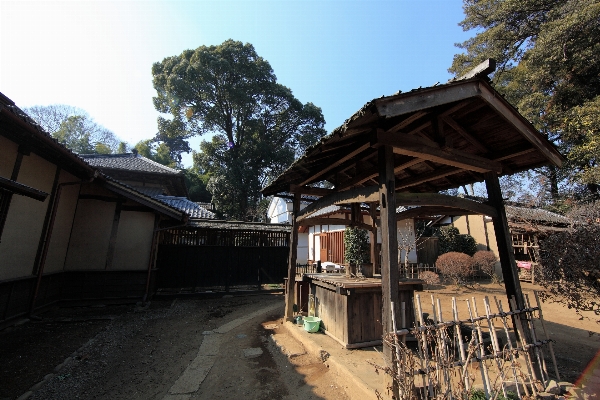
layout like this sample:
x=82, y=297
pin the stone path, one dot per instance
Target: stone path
x=190, y=380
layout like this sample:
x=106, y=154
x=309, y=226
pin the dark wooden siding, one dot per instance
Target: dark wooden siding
x=219, y=257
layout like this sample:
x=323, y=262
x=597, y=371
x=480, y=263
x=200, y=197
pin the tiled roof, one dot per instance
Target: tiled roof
x=128, y=162
x=187, y=206
x=149, y=191
x=152, y=202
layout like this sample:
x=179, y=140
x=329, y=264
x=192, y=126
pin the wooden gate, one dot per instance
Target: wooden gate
x=200, y=257
x=332, y=247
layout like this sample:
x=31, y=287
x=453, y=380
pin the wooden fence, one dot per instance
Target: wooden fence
x=207, y=258
x=448, y=348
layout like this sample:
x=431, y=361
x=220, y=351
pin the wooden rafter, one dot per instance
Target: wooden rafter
x=407, y=121
x=426, y=177
x=461, y=131
x=373, y=172
x=534, y=137
x=417, y=147
x=336, y=163
x=512, y=154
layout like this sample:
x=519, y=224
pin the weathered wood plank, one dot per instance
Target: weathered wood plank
x=427, y=98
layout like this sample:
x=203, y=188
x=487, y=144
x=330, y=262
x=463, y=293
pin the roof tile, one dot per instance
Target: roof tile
x=127, y=161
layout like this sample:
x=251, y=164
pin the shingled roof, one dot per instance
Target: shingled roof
x=128, y=162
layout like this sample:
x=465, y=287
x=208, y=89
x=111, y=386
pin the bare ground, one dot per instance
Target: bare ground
x=134, y=352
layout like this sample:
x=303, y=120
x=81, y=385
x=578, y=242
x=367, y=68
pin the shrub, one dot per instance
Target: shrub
x=455, y=266
x=452, y=241
x=356, y=248
x=486, y=262
x=430, y=278
x=570, y=271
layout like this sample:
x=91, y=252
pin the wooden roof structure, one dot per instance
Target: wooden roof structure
x=443, y=137
x=405, y=148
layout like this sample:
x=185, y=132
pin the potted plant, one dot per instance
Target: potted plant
x=356, y=252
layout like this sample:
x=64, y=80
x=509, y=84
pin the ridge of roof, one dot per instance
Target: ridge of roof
x=128, y=162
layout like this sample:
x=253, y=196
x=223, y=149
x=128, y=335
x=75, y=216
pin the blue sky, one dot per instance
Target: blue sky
x=335, y=54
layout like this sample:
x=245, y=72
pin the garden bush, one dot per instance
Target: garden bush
x=455, y=266
x=430, y=278
x=486, y=262
x=450, y=240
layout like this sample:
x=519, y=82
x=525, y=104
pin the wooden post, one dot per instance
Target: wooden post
x=373, y=236
x=389, y=242
x=291, y=281
x=504, y=240
x=510, y=273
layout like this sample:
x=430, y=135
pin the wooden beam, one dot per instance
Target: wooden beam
x=373, y=172
x=426, y=177
x=483, y=69
x=407, y=121
x=389, y=244
x=513, y=153
x=521, y=124
x=356, y=195
x=426, y=98
x=461, y=131
x=333, y=221
x=313, y=191
x=456, y=107
x=336, y=163
x=442, y=200
x=417, y=147
x=290, y=296
x=23, y=190
x=428, y=211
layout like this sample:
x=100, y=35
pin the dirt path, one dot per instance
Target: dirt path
x=140, y=353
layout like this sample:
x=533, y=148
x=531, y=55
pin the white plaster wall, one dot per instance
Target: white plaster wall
x=24, y=223
x=134, y=241
x=302, y=255
x=61, y=232
x=91, y=234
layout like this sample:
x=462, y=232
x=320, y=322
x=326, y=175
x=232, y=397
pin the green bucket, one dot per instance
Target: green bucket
x=311, y=324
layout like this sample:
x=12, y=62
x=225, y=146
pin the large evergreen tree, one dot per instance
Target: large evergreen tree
x=548, y=54
x=259, y=127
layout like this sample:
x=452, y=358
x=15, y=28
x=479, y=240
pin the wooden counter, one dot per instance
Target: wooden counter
x=350, y=309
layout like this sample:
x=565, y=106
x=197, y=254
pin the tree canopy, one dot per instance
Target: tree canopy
x=74, y=128
x=548, y=57
x=259, y=127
